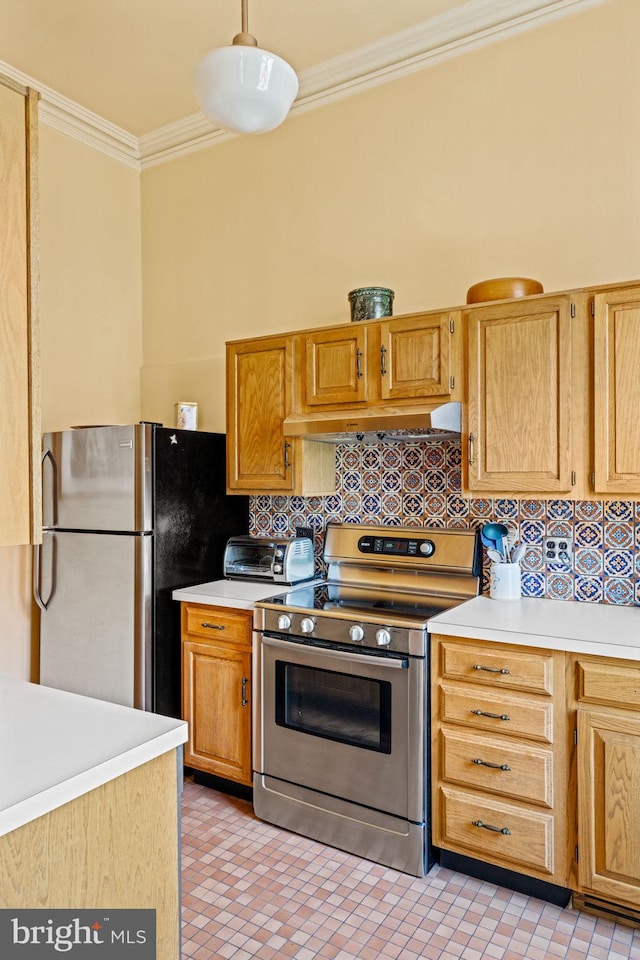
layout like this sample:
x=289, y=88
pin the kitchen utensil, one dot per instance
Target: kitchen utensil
x=494, y=555
x=503, y=288
x=497, y=532
x=518, y=553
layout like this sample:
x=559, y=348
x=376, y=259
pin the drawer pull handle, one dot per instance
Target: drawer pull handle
x=494, y=766
x=212, y=626
x=487, y=826
x=493, y=716
x=244, y=692
x=478, y=666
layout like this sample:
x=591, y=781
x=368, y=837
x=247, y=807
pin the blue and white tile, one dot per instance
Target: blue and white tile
x=391, y=480
x=505, y=509
x=391, y=504
x=589, y=589
x=457, y=506
x=589, y=534
x=559, y=586
x=559, y=528
x=618, y=535
x=621, y=510
x=618, y=591
x=560, y=510
x=618, y=563
x=481, y=508
x=436, y=480
x=412, y=456
x=532, y=559
x=532, y=531
x=588, y=561
x=391, y=457
x=413, y=481
x=413, y=505
x=372, y=458
x=435, y=505
x=533, y=585
x=589, y=510
x=533, y=509
x=371, y=481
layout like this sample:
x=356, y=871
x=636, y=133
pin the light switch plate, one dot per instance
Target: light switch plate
x=558, y=551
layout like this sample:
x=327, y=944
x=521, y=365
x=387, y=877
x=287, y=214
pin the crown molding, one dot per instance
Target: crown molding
x=471, y=25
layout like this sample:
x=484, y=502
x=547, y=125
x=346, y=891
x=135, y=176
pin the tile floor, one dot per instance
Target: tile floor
x=251, y=890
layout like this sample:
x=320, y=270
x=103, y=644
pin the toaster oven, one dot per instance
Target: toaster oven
x=269, y=558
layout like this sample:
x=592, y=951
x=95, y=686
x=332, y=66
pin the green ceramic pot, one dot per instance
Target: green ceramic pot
x=367, y=303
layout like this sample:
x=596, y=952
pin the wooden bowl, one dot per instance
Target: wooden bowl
x=503, y=288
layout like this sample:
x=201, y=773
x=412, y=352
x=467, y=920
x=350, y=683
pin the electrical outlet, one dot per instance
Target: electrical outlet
x=558, y=551
x=305, y=532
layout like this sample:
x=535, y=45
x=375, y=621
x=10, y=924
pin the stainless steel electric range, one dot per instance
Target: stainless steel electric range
x=341, y=709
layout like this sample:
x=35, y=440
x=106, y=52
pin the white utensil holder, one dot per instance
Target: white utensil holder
x=504, y=581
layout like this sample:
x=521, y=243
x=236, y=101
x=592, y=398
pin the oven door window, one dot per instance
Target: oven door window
x=335, y=706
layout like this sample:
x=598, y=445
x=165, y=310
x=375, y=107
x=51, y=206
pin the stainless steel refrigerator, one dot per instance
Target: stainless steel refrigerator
x=130, y=513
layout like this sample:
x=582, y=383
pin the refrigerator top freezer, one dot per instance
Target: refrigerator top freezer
x=130, y=514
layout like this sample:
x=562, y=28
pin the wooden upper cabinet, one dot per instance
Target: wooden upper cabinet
x=415, y=357
x=616, y=331
x=259, y=384
x=519, y=405
x=260, y=459
x=20, y=499
x=336, y=366
x=381, y=361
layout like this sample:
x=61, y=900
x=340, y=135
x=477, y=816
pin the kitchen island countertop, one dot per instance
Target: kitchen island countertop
x=56, y=746
x=601, y=629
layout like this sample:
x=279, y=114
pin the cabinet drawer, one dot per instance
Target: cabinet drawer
x=528, y=840
x=497, y=712
x=218, y=624
x=500, y=766
x=498, y=666
x=608, y=683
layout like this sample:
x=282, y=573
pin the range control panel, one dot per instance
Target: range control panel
x=396, y=546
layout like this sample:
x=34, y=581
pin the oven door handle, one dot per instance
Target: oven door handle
x=390, y=663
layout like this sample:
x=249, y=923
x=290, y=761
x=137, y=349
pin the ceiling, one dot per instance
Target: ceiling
x=116, y=74
x=130, y=61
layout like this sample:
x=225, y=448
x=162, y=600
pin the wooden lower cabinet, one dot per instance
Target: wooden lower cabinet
x=499, y=748
x=216, y=690
x=608, y=765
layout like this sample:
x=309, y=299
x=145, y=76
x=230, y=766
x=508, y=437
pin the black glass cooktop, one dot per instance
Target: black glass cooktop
x=333, y=596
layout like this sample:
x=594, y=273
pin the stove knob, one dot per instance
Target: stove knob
x=383, y=638
x=427, y=548
x=307, y=625
x=284, y=621
x=356, y=633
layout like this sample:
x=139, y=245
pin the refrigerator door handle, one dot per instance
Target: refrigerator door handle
x=37, y=576
x=48, y=455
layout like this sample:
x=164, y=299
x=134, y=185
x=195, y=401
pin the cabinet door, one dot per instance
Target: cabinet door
x=19, y=385
x=259, y=378
x=414, y=357
x=519, y=376
x=617, y=391
x=335, y=366
x=217, y=706
x=609, y=805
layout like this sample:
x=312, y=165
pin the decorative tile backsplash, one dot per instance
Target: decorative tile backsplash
x=418, y=484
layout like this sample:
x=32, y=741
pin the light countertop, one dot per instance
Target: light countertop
x=241, y=594
x=602, y=629
x=56, y=746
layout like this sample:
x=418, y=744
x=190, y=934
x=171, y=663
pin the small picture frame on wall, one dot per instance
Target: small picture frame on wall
x=186, y=416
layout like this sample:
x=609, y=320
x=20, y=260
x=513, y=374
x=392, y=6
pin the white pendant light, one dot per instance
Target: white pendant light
x=243, y=88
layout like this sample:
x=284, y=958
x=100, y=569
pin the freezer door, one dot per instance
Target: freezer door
x=95, y=628
x=98, y=478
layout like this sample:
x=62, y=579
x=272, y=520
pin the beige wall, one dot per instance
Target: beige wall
x=91, y=327
x=519, y=158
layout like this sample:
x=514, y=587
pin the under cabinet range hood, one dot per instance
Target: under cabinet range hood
x=382, y=425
